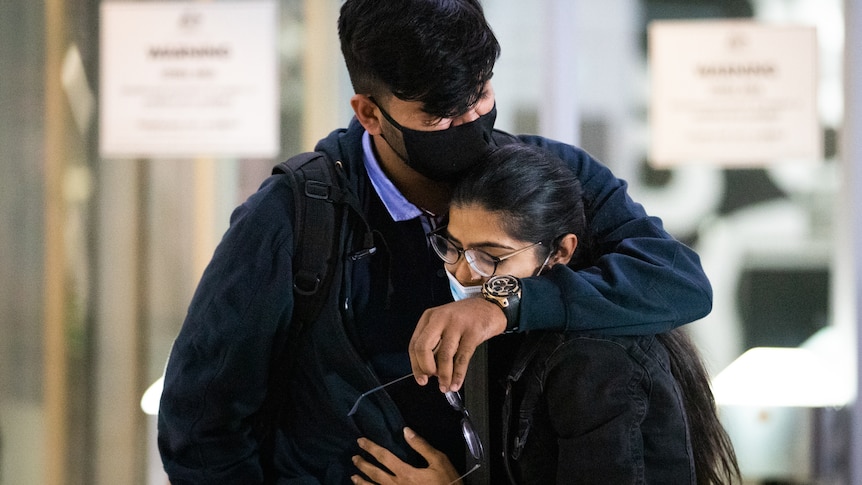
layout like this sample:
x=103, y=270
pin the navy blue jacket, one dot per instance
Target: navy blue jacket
x=644, y=283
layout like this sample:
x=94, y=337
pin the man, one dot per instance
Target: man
x=424, y=111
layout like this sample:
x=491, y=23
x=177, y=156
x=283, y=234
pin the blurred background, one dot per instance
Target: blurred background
x=99, y=256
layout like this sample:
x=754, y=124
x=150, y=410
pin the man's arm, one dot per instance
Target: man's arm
x=217, y=373
x=642, y=281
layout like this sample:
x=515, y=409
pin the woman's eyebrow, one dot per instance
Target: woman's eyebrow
x=491, y=244
x=482, y=244
x=452, y=238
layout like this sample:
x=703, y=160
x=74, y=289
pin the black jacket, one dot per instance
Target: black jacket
x=590, y=409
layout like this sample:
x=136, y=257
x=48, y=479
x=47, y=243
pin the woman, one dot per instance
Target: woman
x=579, y=407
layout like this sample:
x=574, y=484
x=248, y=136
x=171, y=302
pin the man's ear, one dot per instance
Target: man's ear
x=367, y=113
x=565, y=250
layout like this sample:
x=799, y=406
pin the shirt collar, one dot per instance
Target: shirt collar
x=396, y=204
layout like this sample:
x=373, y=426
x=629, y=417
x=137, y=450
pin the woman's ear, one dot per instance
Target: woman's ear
x=565, y=250
x=366, y=112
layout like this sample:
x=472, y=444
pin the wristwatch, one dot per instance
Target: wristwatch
x=505, y=291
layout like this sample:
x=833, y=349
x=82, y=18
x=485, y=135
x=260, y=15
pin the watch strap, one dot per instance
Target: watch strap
x=513, y=314
x=505, y=292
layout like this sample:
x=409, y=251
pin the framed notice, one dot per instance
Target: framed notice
x=189, y=79
x=736, y=93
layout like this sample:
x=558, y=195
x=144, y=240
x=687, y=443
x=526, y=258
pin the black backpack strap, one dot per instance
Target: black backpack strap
x=316, y=229
x=316, y=197
x=322, y=201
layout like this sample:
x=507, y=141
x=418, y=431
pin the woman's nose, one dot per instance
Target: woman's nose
x=464, y=273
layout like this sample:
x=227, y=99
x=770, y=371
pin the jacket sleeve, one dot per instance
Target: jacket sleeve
x=217, y=372
x=642, y=280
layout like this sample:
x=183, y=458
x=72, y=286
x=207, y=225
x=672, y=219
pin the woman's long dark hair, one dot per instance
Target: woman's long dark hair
x=538, y=194
x=714, y=458
x=541, y=199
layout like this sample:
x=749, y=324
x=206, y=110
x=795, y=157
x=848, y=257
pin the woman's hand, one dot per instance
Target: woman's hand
x=439, y=471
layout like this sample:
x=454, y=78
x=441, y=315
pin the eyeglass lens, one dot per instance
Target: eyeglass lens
x=474, y=444
x=482, y=263
x=445, y=249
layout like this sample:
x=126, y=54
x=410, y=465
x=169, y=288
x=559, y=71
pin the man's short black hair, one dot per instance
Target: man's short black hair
x=438, y=52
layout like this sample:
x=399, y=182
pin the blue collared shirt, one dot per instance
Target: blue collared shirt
x=398, y=206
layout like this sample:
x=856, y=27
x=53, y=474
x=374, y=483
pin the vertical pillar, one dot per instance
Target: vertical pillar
x=476, y=401
x=852, y=160
x=117, y=418
x=320, y=72
x=558, y=116
x=204, y=197
x=54, y=291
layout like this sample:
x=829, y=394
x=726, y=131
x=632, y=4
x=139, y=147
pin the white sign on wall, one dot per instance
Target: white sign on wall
x=189, y=79
x=737, y=93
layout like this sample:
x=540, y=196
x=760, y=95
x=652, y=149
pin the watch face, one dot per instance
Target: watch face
x=503, y=285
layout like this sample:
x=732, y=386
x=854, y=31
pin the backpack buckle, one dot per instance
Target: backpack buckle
x=318, y=190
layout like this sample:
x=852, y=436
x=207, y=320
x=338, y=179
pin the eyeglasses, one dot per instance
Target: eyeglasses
x=481, y=262
x=474, y=444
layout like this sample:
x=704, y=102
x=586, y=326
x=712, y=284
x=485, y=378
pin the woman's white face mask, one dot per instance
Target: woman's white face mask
x=461, y=292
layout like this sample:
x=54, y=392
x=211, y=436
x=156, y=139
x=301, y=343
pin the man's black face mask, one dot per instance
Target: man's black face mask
x=443, y=155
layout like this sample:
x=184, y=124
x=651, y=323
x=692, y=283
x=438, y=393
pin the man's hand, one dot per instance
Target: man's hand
x=446, y=337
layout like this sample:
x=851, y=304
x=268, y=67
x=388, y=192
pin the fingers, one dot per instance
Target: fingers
x=423, y=344
x=360, y=481
x=452, y=365
x=439, y=466
x=383, y=456
x=421, y=446
x=439, y=469
x=447, y=336
x=378, y=475
x=445, y=354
